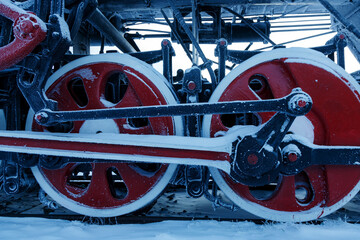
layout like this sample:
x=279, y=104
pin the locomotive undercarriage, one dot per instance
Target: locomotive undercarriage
x=98, y=128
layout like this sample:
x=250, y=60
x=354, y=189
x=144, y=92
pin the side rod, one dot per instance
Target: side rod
x=103, y=147
x=287, y=104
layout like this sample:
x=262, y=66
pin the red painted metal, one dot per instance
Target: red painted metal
x=252, y=159
x=292, y=157
x=334, y=120
x=90, y=147
x=29, y=31
x=191, y=85
x=301, y=103
x=140, y=91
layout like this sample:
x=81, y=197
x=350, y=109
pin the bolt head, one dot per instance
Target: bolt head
x=26, y=27
x=191, y=85
x=252, y=159
x=41, y=117
x=292, y=157
x=165, y=42
x=301, y=103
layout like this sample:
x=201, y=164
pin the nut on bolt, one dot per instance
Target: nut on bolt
x=252, y=159
x=25, y=27
x=291, y=153
x=41, y=117
x=299, y=104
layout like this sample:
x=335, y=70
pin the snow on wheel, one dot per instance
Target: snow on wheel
x=108, y=81
x=333, y=120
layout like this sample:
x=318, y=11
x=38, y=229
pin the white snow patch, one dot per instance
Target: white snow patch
x=128, y=126
x=220, y=134
x=99, y=126
x=106, y=103
x=192, y=98
x=291, y=148
x=268, y=148
x=37, y=228
x=87, y=73
x=303, y=126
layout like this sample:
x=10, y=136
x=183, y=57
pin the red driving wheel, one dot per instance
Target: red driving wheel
x=333, y=120
x=98, y=82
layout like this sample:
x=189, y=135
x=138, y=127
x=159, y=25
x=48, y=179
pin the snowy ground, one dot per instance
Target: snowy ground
x=169, y=205
x=46, y=229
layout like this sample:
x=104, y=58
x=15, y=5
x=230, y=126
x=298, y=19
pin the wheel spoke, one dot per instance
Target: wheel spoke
x=98, y=191
x=93, y=77
x=317, y=178
x=140, y=85
x=136, y=180
x=284, y=196
x=62, y=95
x=218, y=126
x=59, y=179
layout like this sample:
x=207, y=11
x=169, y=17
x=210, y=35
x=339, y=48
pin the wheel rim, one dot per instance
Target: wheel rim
x=330, y=122
x=110, y=189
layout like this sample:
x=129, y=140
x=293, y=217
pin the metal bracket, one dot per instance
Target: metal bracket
x=33, y=75
x=167, y=54
x=221, y=52
x=29, y=31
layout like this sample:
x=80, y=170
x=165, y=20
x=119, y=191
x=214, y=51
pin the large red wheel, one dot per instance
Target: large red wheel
x=333, y=120
x=108, y=81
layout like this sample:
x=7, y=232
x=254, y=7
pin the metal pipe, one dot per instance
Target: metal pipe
x=296, y=40
x=144, y=36
x=340, y=45
x=195, y=31
x=252, y=26
x=176, y=35
x=303, y=25
x=104, y=26
x=300, y=30
x=207, y=63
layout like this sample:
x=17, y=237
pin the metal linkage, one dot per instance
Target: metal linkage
x=221, y=52
x=347, y=24
x=248, y=155
x=298, y=153
x=29, y=31
x=12, y=178
x=207, y=63
x=337, y=43
x=103, y=25
x=167, y=54
x=194, y=175
x=252, y=156
x=177, y=36
x=340, y=48
x=38, y=67
x=255, y=158
x=284, y=105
